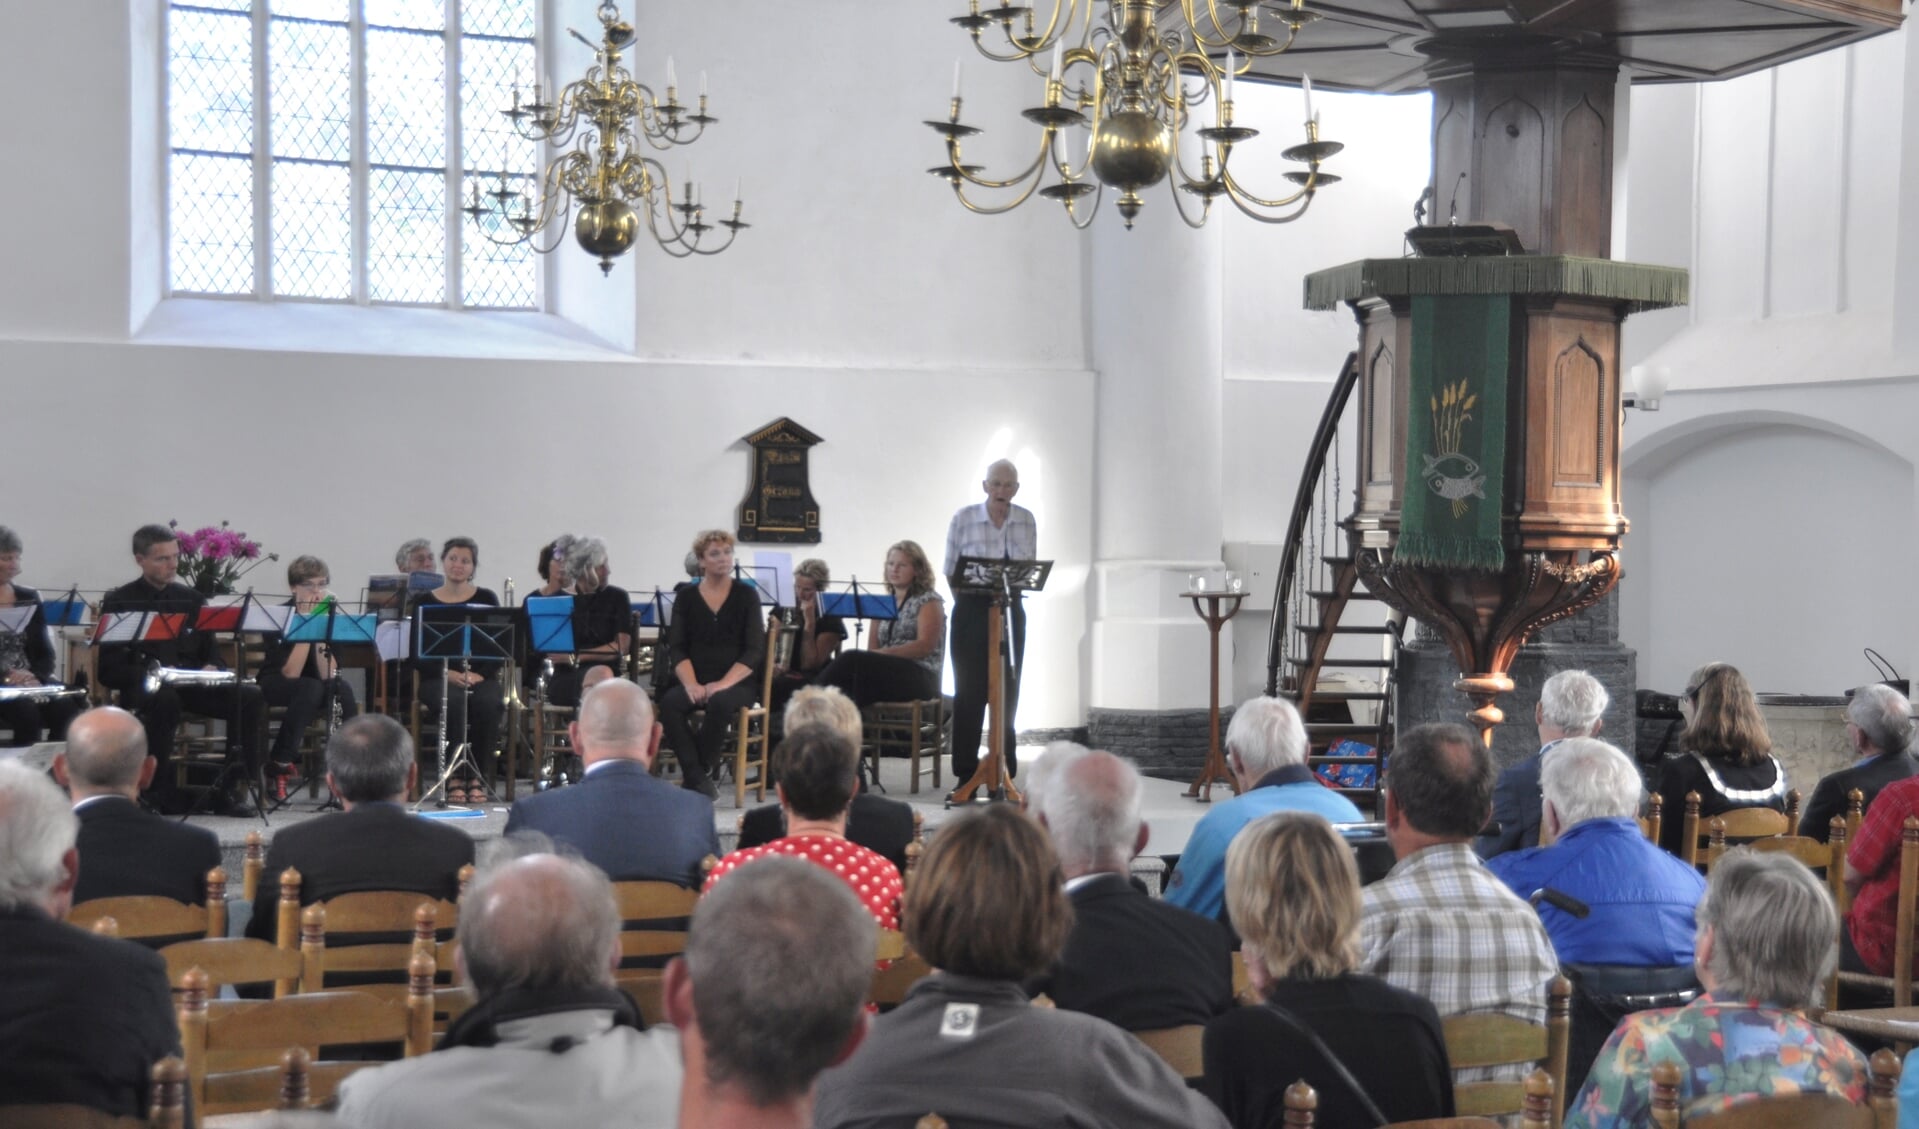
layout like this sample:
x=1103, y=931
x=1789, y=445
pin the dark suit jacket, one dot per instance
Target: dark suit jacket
x=83, y=1018
x=1138, y=962
x=1829, y=798
x=128, y=852
x=373, y=847
x=1516, y=809
x=626, y=821
x=880, y=825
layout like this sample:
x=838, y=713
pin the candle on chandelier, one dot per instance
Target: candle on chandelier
x=1059, y=52
x=1306, y=84
x=702, y=84
x=736, y=190
x=672, y=80
x=1232, y=64
x=956, y=78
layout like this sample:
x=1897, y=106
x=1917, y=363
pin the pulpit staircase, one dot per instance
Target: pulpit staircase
x=1334, y=650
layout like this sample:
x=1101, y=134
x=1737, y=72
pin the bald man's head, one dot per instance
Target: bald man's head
x=539, y=922
x=106, y=753
x=615, y=723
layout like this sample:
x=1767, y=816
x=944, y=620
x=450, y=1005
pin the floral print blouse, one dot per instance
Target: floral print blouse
x=1729, y=1051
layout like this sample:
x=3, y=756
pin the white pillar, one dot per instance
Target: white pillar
x=1156, y=343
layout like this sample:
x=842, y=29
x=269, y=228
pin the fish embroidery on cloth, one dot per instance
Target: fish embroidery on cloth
x=1451, y=474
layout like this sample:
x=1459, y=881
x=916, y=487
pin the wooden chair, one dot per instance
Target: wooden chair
x=1655, y=818
x=1742, y=824
x=1816, y=855
x=256, y=861
x=754, y=734
x=225, y=1041
x=1178, y=1047
x=903, y=968
x=246, y=960
x=1798, y=1111
x=654, y=917
x=1500, y=1040
x=1855, y=812
x=151, y=918
x=312, y=747
x=1898, y=1024
x=403, y=915
x=1302, y=1105
x=912, y=728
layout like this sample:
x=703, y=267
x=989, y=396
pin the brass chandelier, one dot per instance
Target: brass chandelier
x=1120, y=76
x=604, y=180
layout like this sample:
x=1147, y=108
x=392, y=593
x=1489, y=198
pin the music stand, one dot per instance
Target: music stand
x=464, y=632
x=858, y=604
x=1005, y=581
x=240, y=617
x=550, y=623
x=764, y=580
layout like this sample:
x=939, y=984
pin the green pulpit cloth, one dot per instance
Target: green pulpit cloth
x=1456, y=433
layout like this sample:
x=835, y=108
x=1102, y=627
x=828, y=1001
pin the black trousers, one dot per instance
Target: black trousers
x=676, y=709
x=33, y=722
x=481, y=716
x=303, y=699
x=868, y=678
x=243, y=708
x=972, y=667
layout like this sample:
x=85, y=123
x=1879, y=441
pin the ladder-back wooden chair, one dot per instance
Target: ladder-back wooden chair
x=155, y=920
x=915, y=729
x=1742, y=825
x=1796, y=1111
x=1501, y=1040
x=391, y=921
x=1898, y=1024
x=247, y=960
x=1302, y=1105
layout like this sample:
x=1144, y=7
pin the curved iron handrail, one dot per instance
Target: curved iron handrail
x=1343, y=386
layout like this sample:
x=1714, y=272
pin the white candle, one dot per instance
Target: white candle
x=736, y=190
x=1306, y=84
x=702, y=84
x=672, y=80
x=1232, y=64
x=956, y=78
x=1059, y=58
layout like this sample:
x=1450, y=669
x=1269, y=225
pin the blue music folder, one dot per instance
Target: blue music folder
x=551, y=618
x=859, y=605
x=64, y=613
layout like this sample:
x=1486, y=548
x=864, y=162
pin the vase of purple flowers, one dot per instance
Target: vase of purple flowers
x=214, y=558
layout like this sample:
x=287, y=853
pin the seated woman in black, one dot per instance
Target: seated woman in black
x=602, y=622
x=300, y=676
x=1374, y=1052
x=554, y=582
x=26, y=659
x=475, y=683
x=815, y=641
x=903, y=663
x=715, y=645
x=1726, y=754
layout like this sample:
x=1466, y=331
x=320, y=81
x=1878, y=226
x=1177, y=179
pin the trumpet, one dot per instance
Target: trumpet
x=158, y=676
x=40, y=693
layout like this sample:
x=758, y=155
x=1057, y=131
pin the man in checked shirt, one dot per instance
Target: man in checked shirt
x=1439, y=924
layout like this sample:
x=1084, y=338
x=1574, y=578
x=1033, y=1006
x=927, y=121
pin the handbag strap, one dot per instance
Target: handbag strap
x=1325, y=1052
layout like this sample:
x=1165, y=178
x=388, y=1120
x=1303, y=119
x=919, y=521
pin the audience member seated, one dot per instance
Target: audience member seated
x=414, y=556
x=620, y=817
x=1266, y=752
x=1765, y=945
x=1571, y=704
x=1872, y=875
x=880, y=825
x=903, y=659
x=123, y=667
x=375, y=844
x=1439, y=924
x=988, y=910
x=756, y=1035
x=1045, y=769
x=26, y=659
x=124, y=851
x=716, y=644
x=551, y=1040
x=1642, y=898
x=301, y=677
x=83, y=1018
x=1131, y=959
x=1725, y=754
x=816, y=641
x=1294, y=892
x=816, y=772
x=1879, y=726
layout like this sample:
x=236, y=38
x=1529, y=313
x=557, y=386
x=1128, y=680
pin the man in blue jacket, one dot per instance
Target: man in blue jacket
x=1642, y=898
x=620, y=817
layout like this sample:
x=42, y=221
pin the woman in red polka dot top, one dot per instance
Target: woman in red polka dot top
x=816, y=772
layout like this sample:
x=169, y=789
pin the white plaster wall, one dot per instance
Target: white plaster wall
x=1773, y=528
x=348, y=456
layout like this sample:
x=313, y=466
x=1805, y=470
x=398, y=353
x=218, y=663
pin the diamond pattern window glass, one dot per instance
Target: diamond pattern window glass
x=323, y=167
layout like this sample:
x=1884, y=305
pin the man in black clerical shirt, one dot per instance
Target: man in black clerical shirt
x=123, y=667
